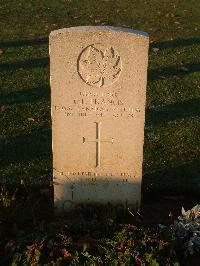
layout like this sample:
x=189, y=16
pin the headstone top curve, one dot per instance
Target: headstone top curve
x=100, y=28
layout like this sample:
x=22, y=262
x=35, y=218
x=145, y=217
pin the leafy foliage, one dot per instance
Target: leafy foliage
x=86, y=237
x=187, y=228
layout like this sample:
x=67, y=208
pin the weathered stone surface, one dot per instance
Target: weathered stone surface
x=98, y=91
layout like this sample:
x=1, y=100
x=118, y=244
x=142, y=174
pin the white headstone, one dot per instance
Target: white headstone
x=98, y=91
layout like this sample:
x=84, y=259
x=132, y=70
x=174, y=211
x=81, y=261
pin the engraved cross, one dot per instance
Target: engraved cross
x=98, y=141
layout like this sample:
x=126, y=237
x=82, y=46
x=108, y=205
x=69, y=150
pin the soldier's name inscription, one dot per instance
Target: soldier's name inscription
x=101, y=104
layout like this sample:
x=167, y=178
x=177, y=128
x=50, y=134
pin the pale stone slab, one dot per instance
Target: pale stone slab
x=98, y=91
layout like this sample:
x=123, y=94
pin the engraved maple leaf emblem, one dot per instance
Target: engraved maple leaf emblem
x=99, y=67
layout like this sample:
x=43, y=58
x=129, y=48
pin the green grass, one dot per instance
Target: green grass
x=171, y=151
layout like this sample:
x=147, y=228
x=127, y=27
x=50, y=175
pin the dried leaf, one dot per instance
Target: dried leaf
x=155, y=49
x=45, y=191
x=31, y=119
x=51, y=254
x=86, y=242
x=67, y=255
x=138, y=261
x=9, y=244
x=30, y=247
x=120, y=247
x=184, y=69
x=2, y=108
x=96, y=21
